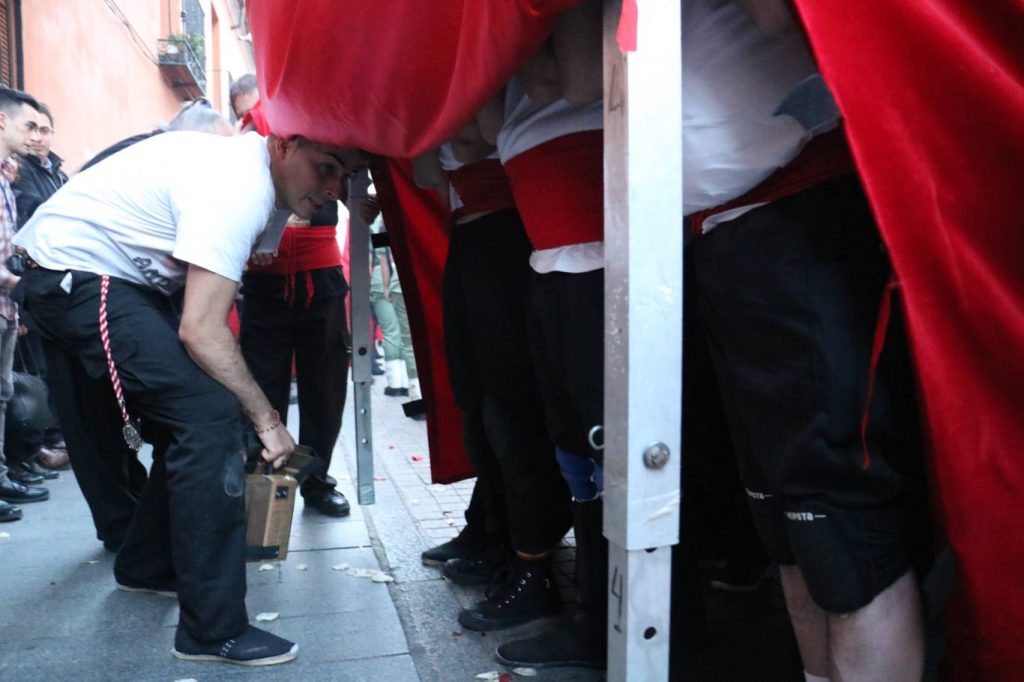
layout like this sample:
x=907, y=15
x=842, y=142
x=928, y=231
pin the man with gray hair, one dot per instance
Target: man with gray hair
x=243, y=95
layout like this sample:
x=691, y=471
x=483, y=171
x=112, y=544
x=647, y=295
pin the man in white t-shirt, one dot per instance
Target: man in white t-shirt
x=179, y=210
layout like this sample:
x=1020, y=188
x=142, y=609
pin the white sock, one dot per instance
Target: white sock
x=815, y=678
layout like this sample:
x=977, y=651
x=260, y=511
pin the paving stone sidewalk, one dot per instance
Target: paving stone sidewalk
x=61, y=617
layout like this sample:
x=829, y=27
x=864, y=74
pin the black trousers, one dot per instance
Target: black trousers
x=567, y=344
x=190, y=523
x=494, y=382
x=312, y=329
x=107, y=470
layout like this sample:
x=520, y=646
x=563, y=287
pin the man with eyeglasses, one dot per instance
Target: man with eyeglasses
x=41, y=174
x=40, y=178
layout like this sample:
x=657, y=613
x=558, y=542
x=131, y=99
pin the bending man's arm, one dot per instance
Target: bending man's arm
x=204, y=333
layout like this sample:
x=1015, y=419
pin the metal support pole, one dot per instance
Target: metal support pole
x=359, y=290
x=643, y=334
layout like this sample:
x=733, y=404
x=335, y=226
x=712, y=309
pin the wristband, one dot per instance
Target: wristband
x=267, y=429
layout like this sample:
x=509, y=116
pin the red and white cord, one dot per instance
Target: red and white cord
x=105, y=338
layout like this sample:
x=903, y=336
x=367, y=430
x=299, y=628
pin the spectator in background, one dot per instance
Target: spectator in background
x=389, y=307
x=18, y=127
x=41, y=173
x=40, y=178
x=243, y=95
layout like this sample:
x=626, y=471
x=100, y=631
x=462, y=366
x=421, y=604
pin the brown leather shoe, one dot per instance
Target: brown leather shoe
x=53, y=458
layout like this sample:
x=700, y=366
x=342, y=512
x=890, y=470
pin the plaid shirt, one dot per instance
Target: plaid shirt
x=8, y=221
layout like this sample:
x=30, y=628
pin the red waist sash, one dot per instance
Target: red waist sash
x=559, y=190
x=302, y=249
x=482, y=186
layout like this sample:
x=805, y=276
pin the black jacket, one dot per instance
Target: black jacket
x=37, y=184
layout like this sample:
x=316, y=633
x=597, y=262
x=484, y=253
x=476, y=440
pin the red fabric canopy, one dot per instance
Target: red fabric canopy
x=933, y=100
x=394, y=78
x=415, y=222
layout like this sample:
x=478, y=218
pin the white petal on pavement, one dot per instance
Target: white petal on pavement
x=301, y=567
x=5, y=535
x=92, y=562
x=382, y=578
x=266, y=617
x=339, y=567
x=266, y=567
x=492, y=675
x=525, y=672
x=362, y=572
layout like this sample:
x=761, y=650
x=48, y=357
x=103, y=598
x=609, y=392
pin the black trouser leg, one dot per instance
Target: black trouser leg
x=592, y=568
x=321, y=367
x=146, y=557
x=272, y=333
x=489, y=487
x=488, y=504
x=490, y=260
x=265, y=339
x=108, y=472
x=204, y=468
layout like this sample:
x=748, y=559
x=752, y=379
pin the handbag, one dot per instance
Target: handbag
x=29, y=407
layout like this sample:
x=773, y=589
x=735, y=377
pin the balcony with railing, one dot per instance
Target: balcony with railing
x=181, y=57
x=181, y=67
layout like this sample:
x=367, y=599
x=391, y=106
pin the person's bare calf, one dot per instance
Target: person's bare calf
x=883, y=640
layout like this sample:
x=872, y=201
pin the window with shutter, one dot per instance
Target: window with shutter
x=8, y=44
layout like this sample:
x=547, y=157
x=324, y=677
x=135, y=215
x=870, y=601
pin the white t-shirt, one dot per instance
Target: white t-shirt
x=737, y=82
x=528, y=124
x=147, y=212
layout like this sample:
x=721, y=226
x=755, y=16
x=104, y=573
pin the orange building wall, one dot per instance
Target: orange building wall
x=228, y=57
x=81, y=61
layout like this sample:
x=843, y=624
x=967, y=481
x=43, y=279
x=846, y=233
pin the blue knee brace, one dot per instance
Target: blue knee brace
x=584, y=475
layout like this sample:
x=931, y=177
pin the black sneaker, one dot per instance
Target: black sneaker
x=527, y=594
x=462, y=546
x=252, y=647
x=568, y=645
x=478, y=570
